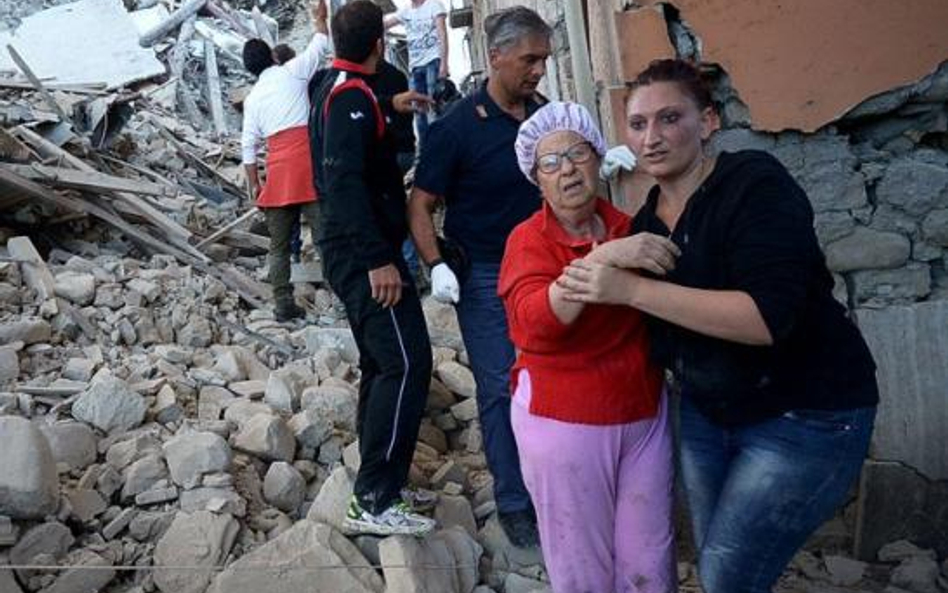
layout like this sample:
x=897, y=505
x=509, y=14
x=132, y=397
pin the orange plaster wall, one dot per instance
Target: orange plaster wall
x=800, y=64
x=643, y=37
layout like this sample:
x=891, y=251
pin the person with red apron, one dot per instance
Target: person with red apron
x=277, y=111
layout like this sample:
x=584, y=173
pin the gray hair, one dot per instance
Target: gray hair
x=507, y=27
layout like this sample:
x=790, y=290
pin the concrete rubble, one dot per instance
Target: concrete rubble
x=154, y=414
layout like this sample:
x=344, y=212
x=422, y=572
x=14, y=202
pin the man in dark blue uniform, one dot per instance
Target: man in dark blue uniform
x=468, y=163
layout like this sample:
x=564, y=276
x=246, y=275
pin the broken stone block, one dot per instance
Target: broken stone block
x=76, y=287
x=453, y=552
x=9, y=365
x=843, y=571
x=285, y=388
x=918, y=574
x=248, y=389
x=310, y=429
x=77, y=579
x=333, y=404
x=304, y=544
x=9, y=533
x=36, y=276
x=143, y=475
x=78, y=369
x=166, y=408
x=194, y=539
x=448, y=472
x=119, y=523
x=439, y=396
x=241, y=411
x=29, y=330
x=46, y=540
x=29, y=487
x=268, y=437
x=218, y=500
x=110, y=405
x=455, y=510
x=191, y=455
x=458, y=378
x=866, y=249
x=149, y=290
x=72, y=443
x=197, y=333
x=86, y=504
x=465, y=411
x=351, y=456
x=284, y=486
x=333, y=498
x=156, y=496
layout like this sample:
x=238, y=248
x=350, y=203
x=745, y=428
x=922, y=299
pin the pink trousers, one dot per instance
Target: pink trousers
x=603, y=496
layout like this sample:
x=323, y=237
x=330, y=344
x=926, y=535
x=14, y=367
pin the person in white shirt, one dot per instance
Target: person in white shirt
x=277, y=111
x=427, y=37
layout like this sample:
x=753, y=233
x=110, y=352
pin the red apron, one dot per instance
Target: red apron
x=289, y=170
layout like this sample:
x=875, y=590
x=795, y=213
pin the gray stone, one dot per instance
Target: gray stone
x=918, y=574
x=333, y=498
x=156, y=496
x=913, y=185
x=833, y=225
x=78, y=579
x=334, y=338
x=455, y=510
x=935, y=227
x=36, y=275
x=902, y=286
x=119, y=523
x=914, y=508
x=331, y=451
x=110, y=405
x=332, y=403
x=351, y=456
x=218, y=500
x=866, y=249
x=516, y=583
x=241, y=411
x=76, y=287
x=166, y=408
x=191, y=455
x=150, y=290
x=174, y=354
x=196, y=333
x=443, y=562
x=8, y=583
x=212, y=401
x=844, y=571
x=29, y=488
x=305, y=544
x=497, y=546
x=458, y=378
x=150, y=525
x=466, y=410
x=86, y=504
x=285, y=388
x=449, y=472
x=267, y=437
x=29, y=330
x=122, y=453
x=310, y=429
x=72, y=443
x=735, y=139
x=9, y=533
x=9, y=365
x=284, y=486
x=143, y=475
x=439, y=396
x=248, y=389
x=46, y=540
x=194, y=539
x=78, y=369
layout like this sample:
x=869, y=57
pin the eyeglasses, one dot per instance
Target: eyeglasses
x=577, y=154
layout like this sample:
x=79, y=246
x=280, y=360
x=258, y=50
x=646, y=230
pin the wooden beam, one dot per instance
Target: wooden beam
x=88, y=180
x=224, y=14
x=28, y=72
x=230, y=226
x=190, y=7
x=179, y=56
x=263, y=31
x=214, y=99
x=81, y=89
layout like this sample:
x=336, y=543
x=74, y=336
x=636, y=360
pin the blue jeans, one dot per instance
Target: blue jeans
x=484, y=329
x=756, y=492
x=423, y=79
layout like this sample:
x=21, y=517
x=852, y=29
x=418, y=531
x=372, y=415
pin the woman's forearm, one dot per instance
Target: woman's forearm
x=566, y=311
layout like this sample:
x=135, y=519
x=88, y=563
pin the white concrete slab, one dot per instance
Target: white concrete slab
x=90, y=41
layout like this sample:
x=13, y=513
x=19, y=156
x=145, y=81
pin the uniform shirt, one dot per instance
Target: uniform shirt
x=421, y=31
x=749, y=227
x=279, y=101
x=595, y=370
x=468, y=158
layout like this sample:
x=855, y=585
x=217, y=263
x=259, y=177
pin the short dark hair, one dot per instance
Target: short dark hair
x=257, y=56
x=356, y=28
x=508, y=26
x=283, y=53
x=682, y=72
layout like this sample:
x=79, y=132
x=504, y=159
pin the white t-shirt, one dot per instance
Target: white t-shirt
x=279, y=100
x=422, y=31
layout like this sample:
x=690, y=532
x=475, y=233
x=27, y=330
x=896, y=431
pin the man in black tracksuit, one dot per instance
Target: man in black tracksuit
x=364, y=226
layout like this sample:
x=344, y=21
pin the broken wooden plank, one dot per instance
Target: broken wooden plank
x=246, y=240
x=28, y=72
x=179, y=55
x=229, y=227
x=88, y=180
x=225, y=15
x=214, y=99
x=263, y=31
x=194, y=160
x=81, y=89
x=52, y=390
x=190, y=7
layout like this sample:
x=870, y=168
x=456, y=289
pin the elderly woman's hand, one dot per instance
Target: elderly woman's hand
x=644, y=251
x=588, y=282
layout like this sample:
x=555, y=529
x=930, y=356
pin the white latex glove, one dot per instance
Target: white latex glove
x=444, y=284
x=617, y=157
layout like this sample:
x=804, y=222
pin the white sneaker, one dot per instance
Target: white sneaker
x=395, y=520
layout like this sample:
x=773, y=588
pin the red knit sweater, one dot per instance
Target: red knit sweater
x=595, y=370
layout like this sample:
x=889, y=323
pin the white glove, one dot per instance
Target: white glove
x=444, y=284
x=617, y=157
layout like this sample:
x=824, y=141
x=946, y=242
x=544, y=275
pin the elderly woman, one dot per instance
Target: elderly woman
x=588, y=410
x=778, y=389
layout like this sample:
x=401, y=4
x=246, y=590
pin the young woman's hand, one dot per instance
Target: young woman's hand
x=585, y=281
x=644, y=251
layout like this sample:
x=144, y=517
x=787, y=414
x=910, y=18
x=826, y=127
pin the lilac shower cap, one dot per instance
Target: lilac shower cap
x=555, y=116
